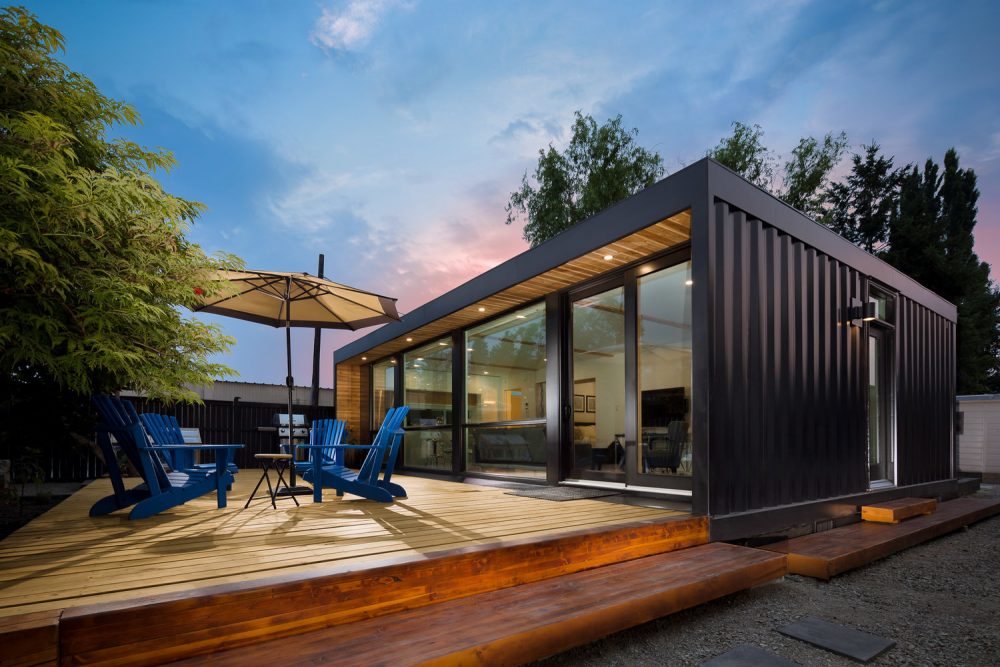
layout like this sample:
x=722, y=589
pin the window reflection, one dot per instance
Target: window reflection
x=505, y=382
x=427, y=391
x=665, y=370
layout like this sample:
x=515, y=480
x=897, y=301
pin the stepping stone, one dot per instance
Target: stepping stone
x=745, y=655
x=839, y=639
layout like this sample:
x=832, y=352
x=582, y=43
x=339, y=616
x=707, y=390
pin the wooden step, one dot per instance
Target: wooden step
x=528, y=622
x=173, y=626
x=29, y=639
x=831, y=552
x=894, y=511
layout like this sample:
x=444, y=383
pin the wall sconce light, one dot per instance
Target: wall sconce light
x=859, y=312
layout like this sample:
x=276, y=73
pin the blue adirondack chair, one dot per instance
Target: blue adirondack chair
x=166, y=430
x=366, y=481
x=328, y=433
x=160, y=490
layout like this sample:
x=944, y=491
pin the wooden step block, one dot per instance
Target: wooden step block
x=29, y=639
x=524, y=623
x=831, y=552
x=174, y=626
x=894, y=511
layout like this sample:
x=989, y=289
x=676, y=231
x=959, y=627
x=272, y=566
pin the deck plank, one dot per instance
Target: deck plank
x=524, y=623
x=65, y=558
x=831, y=552
x=894, y=511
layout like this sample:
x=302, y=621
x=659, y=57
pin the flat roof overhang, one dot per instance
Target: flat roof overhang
x=648, y=222
x=458, y=309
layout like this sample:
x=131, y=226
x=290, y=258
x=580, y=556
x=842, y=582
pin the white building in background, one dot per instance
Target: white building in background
x=979, y=439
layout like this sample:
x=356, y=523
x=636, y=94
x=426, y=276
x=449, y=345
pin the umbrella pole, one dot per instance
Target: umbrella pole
x=289, y=380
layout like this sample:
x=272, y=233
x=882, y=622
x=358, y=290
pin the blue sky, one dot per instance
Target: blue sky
x=388, y=134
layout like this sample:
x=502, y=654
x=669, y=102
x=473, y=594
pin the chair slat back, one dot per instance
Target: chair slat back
x=122, y=421
x=373, y=462
x=327, y=433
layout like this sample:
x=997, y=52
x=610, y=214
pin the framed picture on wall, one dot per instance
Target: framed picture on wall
x=591, y=404
x=579, y=403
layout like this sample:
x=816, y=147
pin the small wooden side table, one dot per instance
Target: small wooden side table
x=280, y=463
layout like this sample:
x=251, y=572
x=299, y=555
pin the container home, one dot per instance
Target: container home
x=699, y=341
x=979, y=436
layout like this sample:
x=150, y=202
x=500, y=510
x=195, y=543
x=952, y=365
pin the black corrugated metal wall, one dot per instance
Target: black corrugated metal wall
x=787, y=401
x=925, y=394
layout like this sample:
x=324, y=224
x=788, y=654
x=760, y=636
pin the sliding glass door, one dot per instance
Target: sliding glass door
x=631, y=376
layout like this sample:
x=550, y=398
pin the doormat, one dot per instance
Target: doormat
x=561, y=493
x=839, y=639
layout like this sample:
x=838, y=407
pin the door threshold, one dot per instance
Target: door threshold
x=622, y=486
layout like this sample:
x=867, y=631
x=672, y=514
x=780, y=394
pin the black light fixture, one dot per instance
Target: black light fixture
x=859, y=312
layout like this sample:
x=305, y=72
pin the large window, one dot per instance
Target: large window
x=427, y=391
x=505, y=394
x=665, y=370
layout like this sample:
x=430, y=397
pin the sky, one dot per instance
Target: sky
x=388, y=134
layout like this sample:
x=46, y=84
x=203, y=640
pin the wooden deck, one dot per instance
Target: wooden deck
x=86, y=580
x=831, y=552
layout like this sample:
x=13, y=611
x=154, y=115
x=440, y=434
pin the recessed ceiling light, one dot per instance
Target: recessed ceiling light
x=442, y=343
x=486, y=372
x=469, y=349
x=409, y=340
x=608, y=258
x=520, y=317
x=364, y=358
x=481, y=309
x=689, y=282
x=420, y=358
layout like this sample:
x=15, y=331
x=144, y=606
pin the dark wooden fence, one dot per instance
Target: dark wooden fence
x=61, y=460
x=223, y=422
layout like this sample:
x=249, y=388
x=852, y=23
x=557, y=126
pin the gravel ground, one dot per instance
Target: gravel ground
x=940, y=602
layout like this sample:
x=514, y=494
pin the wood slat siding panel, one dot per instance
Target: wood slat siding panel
x=925, y=393
x=655, y=238
x=787, y=406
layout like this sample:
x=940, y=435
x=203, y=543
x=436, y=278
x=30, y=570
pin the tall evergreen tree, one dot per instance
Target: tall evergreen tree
x=931, y=239
x=860, y=207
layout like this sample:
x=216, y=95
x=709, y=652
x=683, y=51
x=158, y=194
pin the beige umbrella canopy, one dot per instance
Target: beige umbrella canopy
x=283, y=299
x=290, y=300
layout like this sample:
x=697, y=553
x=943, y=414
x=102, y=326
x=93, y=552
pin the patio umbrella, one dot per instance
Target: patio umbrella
x=282, y=299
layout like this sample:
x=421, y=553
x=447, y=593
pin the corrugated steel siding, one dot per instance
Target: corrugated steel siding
x=787, y=397
x=925, y=393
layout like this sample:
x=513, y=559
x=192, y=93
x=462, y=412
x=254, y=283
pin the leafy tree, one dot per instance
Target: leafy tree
x=745, y=153
x=601, y=166
x=861, y=206
x=931, y=239
x=94, y=262
x=807, y=172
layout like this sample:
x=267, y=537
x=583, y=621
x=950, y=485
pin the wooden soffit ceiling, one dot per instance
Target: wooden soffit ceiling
x=648, y=241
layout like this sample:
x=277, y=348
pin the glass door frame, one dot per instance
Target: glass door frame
x=628, y=279
x=885, y=376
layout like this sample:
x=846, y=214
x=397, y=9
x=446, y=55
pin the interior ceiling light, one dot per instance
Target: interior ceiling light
x=521, y=317
x=481, y=309
x=608, y=258
x=409, y=340
x=442, y=343
x=689, y=282
x=469, y=349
